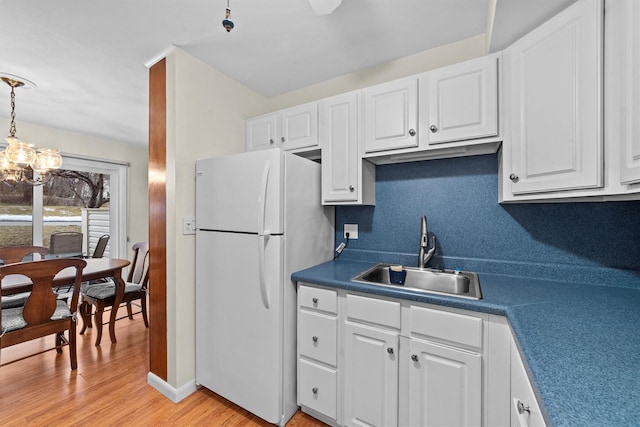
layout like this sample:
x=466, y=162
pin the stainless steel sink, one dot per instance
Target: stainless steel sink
x=462, y=284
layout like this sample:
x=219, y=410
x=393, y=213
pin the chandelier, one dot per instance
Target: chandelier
x=20, y=162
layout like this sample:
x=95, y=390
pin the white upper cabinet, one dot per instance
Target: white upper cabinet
x=346, y=178
x=292, y=129
x=391, y=115
x=625, y=84
x=261, y=132
x=299, y=127
x=460, y=102
x=553, y=83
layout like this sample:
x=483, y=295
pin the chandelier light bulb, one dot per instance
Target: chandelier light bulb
x=20, y=156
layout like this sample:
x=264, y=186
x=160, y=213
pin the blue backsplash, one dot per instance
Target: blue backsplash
x=595, y=243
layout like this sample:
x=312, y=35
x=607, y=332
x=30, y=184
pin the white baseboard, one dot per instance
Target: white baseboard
x=173, y=394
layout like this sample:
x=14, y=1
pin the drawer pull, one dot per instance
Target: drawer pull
x=315, y=300
x=414, y=357
x=314, y=338
x=390, y=350
x=314, y=390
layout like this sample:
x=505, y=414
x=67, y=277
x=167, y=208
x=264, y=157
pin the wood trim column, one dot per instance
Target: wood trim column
x=158, y=219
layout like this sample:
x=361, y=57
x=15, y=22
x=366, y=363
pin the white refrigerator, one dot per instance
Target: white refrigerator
x=258, y=219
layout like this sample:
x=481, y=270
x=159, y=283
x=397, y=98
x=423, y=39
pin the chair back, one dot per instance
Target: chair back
x=139, y=269
x=41, y=303
x=66, y=242
x=13, y=254
x=98, y=252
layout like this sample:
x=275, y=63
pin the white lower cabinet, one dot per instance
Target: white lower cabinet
x=399, y=362
x=317, y=352
x=445, y=385
x=370, y=376
x=525, y=411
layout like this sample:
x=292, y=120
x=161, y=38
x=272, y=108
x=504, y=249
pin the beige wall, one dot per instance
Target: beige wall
x=100, y=148
x=205, y=117
x=422, y=61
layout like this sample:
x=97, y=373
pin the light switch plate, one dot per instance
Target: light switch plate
x=352, y=229
x=188, y=225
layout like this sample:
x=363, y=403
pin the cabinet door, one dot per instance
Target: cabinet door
x=299, y=127
x=340, y=159
x=525, y=411
x=553, y=80
x=390, y=115
x=261, y=132
x=630, y=93
x=370, y=377
x=445, y=385
x=462, y=101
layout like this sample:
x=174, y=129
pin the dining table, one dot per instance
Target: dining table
x=96, y=269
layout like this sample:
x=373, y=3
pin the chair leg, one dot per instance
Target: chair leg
x=129, y=311
x=72, y=346
x=59, y=342
x=98, y=322
x=143, y=307
x=85, y=313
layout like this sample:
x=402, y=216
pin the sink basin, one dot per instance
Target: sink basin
x=462, y=284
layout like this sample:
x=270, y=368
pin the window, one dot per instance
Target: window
x=88, y=196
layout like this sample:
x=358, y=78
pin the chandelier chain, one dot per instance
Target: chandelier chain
x=12, y=128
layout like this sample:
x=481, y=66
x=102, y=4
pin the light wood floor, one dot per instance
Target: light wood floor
x=108, y=388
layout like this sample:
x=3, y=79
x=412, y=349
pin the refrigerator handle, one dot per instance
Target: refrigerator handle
x=264, y=286
x=262, y=198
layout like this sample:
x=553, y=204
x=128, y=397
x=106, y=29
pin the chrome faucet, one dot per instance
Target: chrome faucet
x=425, y=253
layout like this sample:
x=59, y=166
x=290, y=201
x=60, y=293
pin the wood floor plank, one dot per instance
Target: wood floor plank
x=109, y=388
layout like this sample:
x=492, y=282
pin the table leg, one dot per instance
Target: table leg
x=117, y=278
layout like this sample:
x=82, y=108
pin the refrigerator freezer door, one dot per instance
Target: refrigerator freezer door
x=241, y=192
x=239, y=342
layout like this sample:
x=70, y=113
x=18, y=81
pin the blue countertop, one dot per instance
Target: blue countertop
x=580, y=343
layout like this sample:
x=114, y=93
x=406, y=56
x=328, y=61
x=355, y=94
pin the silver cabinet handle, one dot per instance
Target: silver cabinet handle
x=315, y=300
x=351, y=188
x=271, y=141
x=315, y=390
x=513, y=177
x=282, y=139
x=412, y=132
x=390, y=350
x=314, y=338
x=433, y=128
x=522, y=409
x=414, y=357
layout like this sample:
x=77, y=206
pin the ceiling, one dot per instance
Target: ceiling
x=88, y=58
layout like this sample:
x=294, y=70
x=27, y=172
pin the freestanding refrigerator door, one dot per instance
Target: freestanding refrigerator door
x=241, y=192
x=238, y=339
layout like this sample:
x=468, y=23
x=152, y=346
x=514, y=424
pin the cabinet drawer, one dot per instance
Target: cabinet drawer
x=371, y=310
x=317, y=337
x=317, y=388
x=318, y=299
x=446, y=326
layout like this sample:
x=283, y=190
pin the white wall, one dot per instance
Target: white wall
x=205, y=114
x=205, y=118
x=100, y=148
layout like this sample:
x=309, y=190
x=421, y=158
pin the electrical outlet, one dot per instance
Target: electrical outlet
x=188, y=225
x=352, y=229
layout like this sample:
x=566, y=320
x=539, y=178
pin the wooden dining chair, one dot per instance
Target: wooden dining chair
x=102, y=295
x=42, y=314
x=13, y=254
